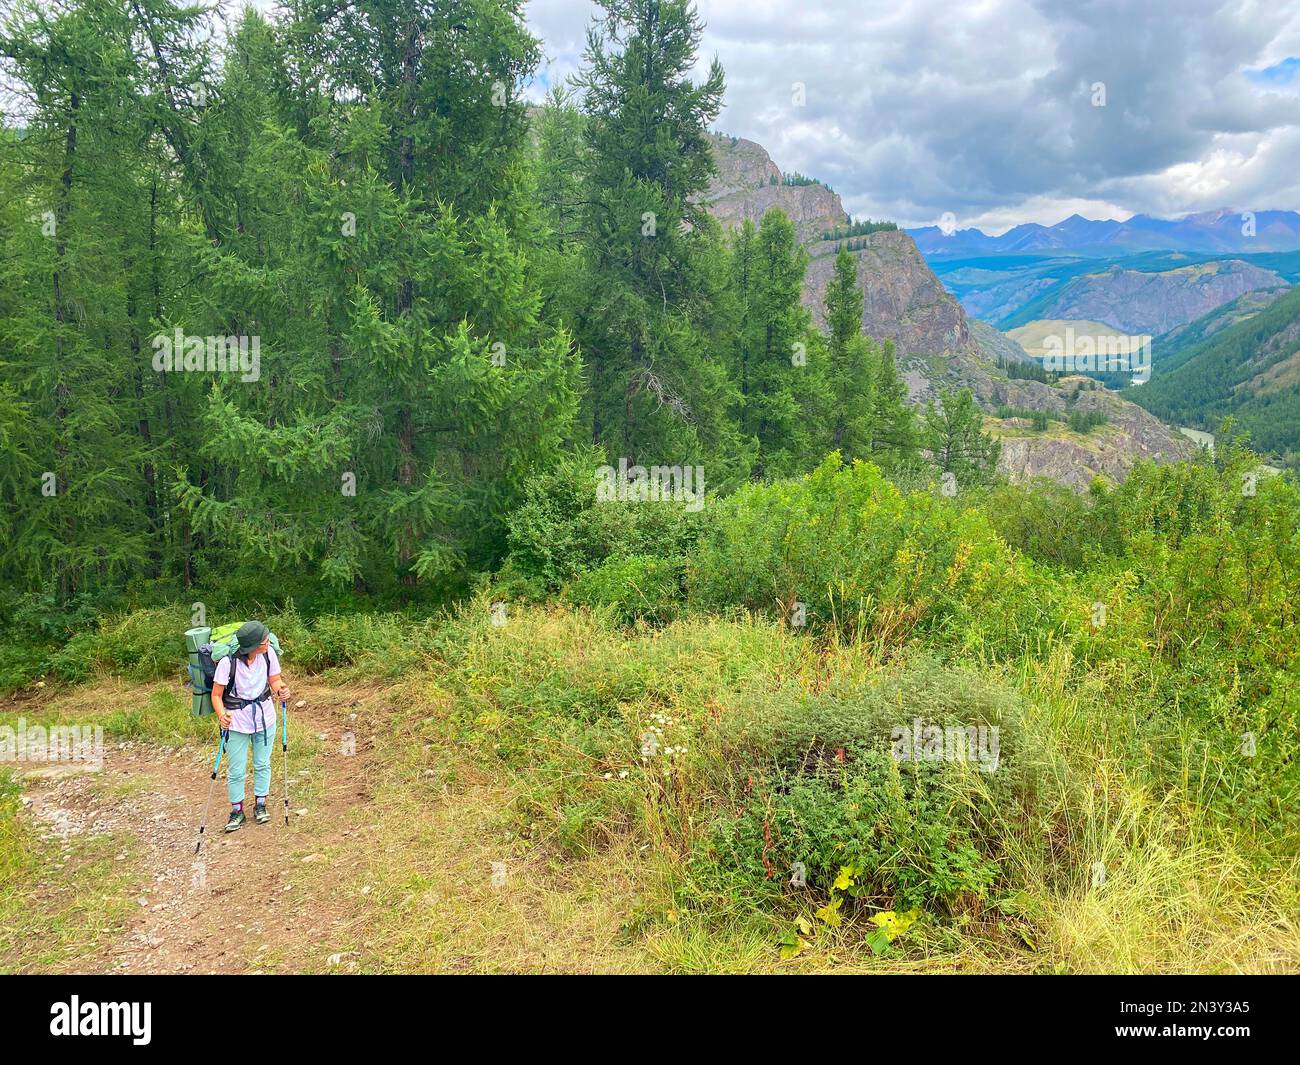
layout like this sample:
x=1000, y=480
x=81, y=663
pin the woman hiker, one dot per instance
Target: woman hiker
x=244, y=708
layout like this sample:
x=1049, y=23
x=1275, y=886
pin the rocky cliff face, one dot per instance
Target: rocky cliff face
x=934, y=342
x=742, y=165
x=902, y=299
x=1130, y=435
x=997, y=345
x=812, y=208
x=749, y=184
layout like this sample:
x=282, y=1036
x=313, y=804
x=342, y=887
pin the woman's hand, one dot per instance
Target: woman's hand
x=224, y=716
x=282, y=692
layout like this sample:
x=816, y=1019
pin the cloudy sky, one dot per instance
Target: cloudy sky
x=985, y=108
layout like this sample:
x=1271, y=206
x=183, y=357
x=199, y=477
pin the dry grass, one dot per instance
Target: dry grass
x=451, y=889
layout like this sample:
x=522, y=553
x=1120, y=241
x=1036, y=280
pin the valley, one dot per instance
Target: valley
x=1180, y=297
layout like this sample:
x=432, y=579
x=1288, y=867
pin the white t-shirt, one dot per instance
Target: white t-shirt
x=251, y=679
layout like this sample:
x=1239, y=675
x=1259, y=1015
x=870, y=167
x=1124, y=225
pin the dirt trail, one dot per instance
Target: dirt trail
x=252, y=901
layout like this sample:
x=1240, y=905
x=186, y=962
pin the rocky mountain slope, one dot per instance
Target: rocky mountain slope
x=902, y=299
x=1130, y=434
x=995, y=295
x=999, y=346
x=937, y=346
x=1168, y=347
x=1138, y=301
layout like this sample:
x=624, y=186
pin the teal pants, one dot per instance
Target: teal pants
x=237, y=744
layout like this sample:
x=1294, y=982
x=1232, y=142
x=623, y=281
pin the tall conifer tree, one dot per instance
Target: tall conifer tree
x=657, y=391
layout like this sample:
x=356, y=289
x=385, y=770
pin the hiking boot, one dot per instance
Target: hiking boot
x=237, y=819
x=260, y=815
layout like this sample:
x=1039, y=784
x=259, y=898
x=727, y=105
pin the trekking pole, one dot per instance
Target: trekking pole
x=284, y=747
x=211, y=784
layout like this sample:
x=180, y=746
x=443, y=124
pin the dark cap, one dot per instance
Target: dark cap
x=250, y=635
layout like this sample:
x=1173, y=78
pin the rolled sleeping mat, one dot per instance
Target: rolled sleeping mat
x=195, y=639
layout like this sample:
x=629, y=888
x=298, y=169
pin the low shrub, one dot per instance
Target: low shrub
x=562, y=530
x=140, y=645
x=638, y=587
x=832, y=782
x=332, y=640
x=844, y=548
x=1043, y=520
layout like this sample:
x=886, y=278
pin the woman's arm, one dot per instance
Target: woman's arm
x=223, y=715
x=278, y=687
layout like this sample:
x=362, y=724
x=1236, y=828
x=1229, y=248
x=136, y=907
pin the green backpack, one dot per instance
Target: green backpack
x=206, y=647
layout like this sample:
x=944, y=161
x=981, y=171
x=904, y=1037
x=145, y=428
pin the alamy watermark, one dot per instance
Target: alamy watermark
x=133, y=1020
x=952, y=743
x=208, y=354
x=637, y=484
x=1098, y=353
x=75, y=744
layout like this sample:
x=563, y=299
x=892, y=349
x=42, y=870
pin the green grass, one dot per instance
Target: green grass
x=552, y=706
x=57, y=907
x=149, y=644
x=124, y=711
x=522, y=743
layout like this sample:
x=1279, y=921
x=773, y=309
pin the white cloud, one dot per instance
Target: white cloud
x=983, y=107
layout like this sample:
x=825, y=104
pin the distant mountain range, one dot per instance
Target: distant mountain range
x=1209, y=232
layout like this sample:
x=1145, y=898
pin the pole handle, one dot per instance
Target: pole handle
x=225, y=735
